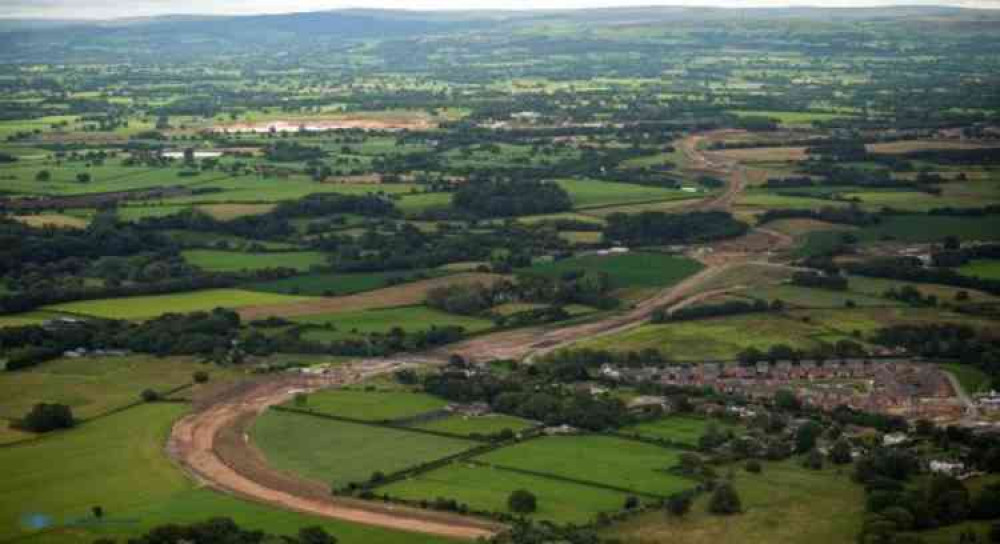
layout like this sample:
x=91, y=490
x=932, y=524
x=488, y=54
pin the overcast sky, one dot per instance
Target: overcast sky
x=103, y=9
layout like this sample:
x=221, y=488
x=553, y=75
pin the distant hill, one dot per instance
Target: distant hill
x=194, y=37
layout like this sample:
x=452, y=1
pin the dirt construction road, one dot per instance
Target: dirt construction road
x=194, y=444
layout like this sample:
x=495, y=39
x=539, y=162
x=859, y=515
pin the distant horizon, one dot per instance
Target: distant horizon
x=94, y=10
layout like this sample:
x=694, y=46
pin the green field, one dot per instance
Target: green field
x=408, y=318
x=234, y=261
x=338, y=452
x=985, y=269
x=682, y=429
x=337, y=284
x=932, y=228
x=604, y=460
x=786, y=504
x=484, y=425
x=720, y=338
x=487, y=488
x=63, y=476
x=154, y=305
x=805, y=297
x=92, y=386
x=626, y=270
x=973, y=380
x=589, y=193
x=373, y=405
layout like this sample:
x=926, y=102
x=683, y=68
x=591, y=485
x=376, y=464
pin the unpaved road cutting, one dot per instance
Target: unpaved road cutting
x=193, y=444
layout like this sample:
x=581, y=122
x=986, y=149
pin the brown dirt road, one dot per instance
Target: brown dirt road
x=194, y=443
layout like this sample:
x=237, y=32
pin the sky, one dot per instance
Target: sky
x=107, y=9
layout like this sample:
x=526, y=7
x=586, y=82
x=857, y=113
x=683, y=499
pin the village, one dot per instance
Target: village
x=891, y=386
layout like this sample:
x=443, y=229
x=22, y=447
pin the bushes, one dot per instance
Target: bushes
x=656, y=228
x=733, y=307
x=522, y=501
x=810, y=279
x=45, y=417
x=725, y=500
x=495, y=198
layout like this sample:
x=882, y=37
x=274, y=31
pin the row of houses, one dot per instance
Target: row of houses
x=890, y=386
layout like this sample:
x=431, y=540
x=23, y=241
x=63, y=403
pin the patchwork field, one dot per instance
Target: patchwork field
x=588, y=193
x=408, y=318
x=373, y=405
x=92, y=386
x=338, y=453
x=626, y=270
x=483, y=425
x=717, y=338
x=686, y=430
x=988, y=270
x=605, y=460
x=143, y=307
x=410, y=294
x=924, y=228
x=487, y=488
x=787, y=504
x=336, y=284
x=234, y=261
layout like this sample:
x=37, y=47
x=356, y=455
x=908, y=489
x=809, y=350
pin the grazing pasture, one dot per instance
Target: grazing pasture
x=235, y=261
x=627, y=464
x=683, y=429
x=408, y=318
x=487, y=488
x=398, y=295
x=143, y=307
x=373, y=405
x=338, y=452
x=720, y=338
x=932, y=228
x=786, y=504
x=625, y=270
x=338, y=283
x=985, y=269
x=483, y=425
x=589, y=193
x=94, y=385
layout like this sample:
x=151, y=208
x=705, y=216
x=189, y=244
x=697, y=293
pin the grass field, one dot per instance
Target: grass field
x=336, y=284
x=99, y=463
x=972, y=379
x=928, y=228
x=786, y=504
x=588, y=193
x=153, y=305
x=682, y=429
x=27, y=318
x=717, y=338
x=484, y=425
x=487, y=488
x=64, y=475
x=626, y=270
x=409, y=294
x=338, y=452
x=408, y=318
x=373, y=405
x=601, y=459
x=985, y=269
x=92, y=386
x=234, y=261
x=805, y=297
